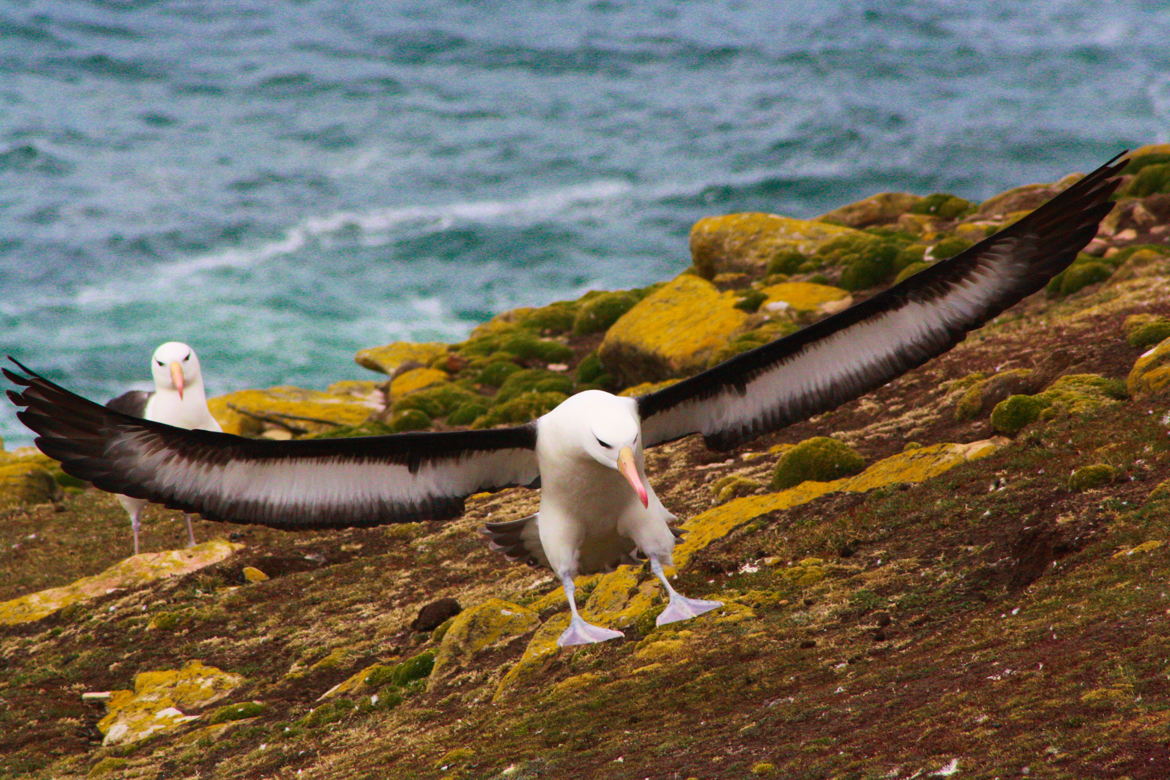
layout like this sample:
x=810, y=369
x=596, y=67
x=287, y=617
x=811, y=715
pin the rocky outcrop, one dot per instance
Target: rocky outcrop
x=671, y=332
x=163, y=700
x=286, y=411
x=748, y=242
x=135, y=571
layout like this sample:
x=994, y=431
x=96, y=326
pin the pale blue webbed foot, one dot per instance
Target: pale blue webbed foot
x=680, y=607
x=683, y=608
x=581, y=633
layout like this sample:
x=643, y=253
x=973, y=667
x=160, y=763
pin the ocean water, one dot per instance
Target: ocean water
x=283, y=183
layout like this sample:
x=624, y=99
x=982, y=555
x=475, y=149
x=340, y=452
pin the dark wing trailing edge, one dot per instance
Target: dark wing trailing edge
x=854, y=351
x=312, y=483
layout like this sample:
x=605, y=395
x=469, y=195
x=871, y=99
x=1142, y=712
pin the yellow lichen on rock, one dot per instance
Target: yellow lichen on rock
x=479, y=628
x=620, y=598
x=1152, y=544
x=391, y=358
x=136, y=570
x=416, y=379
x=541, y=649
x=26, y=482
x=915, y=465
x=803, y=296
x=748, y=241
x=251, y=412
x=159, y=699
x=1151, y=372
x=252, y=574
x=671, y=332
x=879, y=209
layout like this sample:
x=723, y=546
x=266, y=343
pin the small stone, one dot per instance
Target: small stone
x=435, y=614
x=252, y=574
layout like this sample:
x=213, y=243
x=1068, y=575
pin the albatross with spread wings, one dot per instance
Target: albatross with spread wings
x=597, y=508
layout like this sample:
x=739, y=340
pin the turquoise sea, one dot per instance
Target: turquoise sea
x=283, y=183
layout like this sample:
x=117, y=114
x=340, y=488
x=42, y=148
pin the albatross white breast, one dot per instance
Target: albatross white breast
x=597, y=507
x=178, y=399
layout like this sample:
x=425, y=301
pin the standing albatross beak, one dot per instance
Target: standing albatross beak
x=177, y=378
x=629, y=470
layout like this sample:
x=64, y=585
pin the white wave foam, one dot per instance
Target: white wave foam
x=374, y=228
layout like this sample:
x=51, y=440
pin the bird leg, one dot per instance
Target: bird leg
x=190, y=530
x=579, y=632
x=680, y=607
x=135, y=522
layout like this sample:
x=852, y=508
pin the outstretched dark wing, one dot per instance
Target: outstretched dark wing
x=854, y=351
x=311, y=483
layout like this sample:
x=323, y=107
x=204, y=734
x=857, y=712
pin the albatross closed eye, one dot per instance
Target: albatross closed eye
x=603, y=444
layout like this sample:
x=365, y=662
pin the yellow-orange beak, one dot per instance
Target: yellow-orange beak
x=177, y=378
x=629, y=470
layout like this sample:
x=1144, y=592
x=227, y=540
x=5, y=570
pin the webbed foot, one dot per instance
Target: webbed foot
x=682, y=608
x=581, y=633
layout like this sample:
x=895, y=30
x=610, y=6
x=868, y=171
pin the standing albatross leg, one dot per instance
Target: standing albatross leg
x=680, y=607
x=580, y=632
x=190, y=530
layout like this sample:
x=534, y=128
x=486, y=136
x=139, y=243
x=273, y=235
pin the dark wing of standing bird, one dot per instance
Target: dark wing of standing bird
x=132, y=403
x=854, y=351
x=309, y=483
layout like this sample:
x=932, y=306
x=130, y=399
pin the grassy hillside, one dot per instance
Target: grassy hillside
x=994, y=610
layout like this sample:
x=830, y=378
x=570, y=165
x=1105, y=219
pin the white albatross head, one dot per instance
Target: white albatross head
x=175, y=366
x=606, y=427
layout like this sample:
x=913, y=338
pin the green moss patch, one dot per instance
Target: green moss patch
x=821, y=458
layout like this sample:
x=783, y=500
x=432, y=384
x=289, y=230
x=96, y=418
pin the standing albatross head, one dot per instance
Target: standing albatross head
x=175, y=367
x=607, y=429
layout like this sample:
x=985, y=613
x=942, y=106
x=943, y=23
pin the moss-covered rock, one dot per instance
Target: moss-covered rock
x=984, y=393
x=478, y=629
x=26, y=482
x=943, y=205
x=467, y=413
x=239, y=711
x=734, y=486
x=1150, y=375
x=409, y=420
x=496, y=371
x=671, y=332
x=415, y=379
x=252, y=412
x=1091, y=477
x=880, y=209
x=805, y=296
x=596, y=313
x=534, y=380
x=1145, y=330
x=390, y=359
x=1016, y=412
x=520, y=409
x=382, y=676
x=748, y=242
x=1077, y=276
x=1073, y=394
x=437, y=400
x=821, y=458
x=915, y=465
x=767, y=332
x=1150, y=179
x=554, y=318
x=865, y=259
x=161, y=699
x=132, y=572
